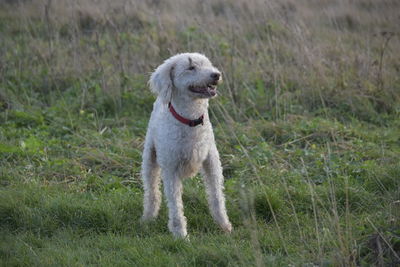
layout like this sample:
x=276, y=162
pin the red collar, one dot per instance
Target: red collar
x=191, y=123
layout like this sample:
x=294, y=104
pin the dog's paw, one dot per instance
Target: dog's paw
x=186, y=238
x=227, y=227
x=180, y=234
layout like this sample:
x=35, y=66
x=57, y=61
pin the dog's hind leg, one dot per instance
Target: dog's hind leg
x=151, y=182
x=214, y=180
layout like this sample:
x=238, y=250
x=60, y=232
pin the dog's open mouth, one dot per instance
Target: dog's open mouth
x=207, y=90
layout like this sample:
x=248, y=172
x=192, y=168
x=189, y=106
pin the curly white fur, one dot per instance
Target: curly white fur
x=176, y=150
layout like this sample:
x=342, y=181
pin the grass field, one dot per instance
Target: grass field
x=307, y=124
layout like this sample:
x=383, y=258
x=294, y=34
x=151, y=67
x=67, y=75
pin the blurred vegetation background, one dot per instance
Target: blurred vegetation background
x=307, y=124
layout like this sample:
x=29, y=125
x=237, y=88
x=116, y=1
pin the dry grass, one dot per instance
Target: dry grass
x=316, y=54
x=307, y=125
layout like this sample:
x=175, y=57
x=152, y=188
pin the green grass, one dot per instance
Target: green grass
x=309, y=138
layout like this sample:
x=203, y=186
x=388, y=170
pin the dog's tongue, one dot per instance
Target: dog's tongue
x=212, y=91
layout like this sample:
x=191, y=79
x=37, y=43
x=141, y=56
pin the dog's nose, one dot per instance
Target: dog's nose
x=215, y=75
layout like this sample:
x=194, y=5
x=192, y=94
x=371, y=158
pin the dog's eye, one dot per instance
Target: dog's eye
x=192, y=68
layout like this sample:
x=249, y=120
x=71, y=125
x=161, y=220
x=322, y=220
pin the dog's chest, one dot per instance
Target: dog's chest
x=192, y=147
x=186, y=150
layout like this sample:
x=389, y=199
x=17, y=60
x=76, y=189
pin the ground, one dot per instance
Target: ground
x=307, y=125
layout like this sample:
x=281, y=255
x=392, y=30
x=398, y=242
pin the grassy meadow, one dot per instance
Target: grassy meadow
x=307, y=123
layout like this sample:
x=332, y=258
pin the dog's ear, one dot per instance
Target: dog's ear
x=162, y=81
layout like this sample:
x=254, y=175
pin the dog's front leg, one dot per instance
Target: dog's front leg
x=214, y=182
x=173, y=192
x=151, y=181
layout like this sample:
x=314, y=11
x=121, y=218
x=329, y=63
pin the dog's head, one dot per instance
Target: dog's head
x=189, y=75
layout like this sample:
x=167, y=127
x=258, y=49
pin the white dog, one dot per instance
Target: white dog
x=180, y=140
